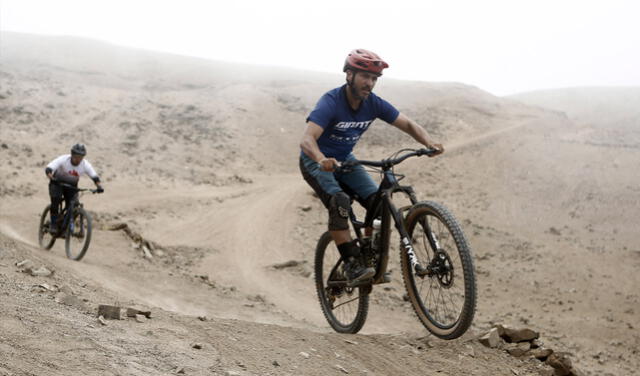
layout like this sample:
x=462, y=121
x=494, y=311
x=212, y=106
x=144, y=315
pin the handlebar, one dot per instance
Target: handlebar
x=56, y=182
x=386, y=164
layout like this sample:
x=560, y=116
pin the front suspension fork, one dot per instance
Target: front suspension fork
x=420, y=270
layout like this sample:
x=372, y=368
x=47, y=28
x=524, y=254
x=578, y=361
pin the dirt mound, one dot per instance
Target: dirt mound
x=44, y=317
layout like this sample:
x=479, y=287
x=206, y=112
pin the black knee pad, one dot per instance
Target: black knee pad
x=339, y=207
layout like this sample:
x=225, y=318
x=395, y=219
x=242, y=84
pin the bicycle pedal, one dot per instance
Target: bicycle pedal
x=386, y=278
x=359, y=283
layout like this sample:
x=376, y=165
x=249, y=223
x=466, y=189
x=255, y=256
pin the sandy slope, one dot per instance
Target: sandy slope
x=201, y=158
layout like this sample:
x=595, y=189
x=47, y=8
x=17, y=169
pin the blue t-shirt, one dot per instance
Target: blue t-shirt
x=344, y=126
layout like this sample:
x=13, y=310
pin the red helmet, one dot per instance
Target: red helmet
x=363, y=60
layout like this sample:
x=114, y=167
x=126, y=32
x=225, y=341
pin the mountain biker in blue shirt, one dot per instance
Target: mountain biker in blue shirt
x=334, y=127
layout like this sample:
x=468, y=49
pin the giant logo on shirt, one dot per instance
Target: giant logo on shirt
x=344, y=125
x=74, y=173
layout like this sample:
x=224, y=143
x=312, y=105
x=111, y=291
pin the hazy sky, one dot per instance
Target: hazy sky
x=498, y=45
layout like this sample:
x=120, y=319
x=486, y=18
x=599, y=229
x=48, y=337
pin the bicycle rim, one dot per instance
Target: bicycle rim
x=445, y=300
x=45, y=238
x=78, y=235
x=344, y=308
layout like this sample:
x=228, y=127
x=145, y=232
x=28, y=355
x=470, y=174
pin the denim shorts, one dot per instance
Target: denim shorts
x=356, y=182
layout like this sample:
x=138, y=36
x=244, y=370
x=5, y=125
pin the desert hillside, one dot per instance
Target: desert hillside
x=199, y=160
x=615, y=107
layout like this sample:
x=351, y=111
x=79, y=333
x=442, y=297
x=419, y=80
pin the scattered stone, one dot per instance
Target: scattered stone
x=304, y=355
x=469, y=351
x=109, y=312
x=491, y=339
x=147, y=253
x=232, y=373
x=519, y=349
x=288, y=264
x=180, y=371
x=205, y=279
x=202, y=318
x=4, y=146
x=351, y=342
x=257, y=298
x=41, y=272
x=66, y=289
x=554, y=231
x=45, y=286
x=71, y=300
x=101, y=320
x=305, y=208
x=541, y=353
x=514, y=372
x=141, y=318
x=510, y=334
x=25, y=264
x=133, y=312
x=117, y=226
x=562, y=365
x=197, y=346
x=341, y=368
x=275, y=363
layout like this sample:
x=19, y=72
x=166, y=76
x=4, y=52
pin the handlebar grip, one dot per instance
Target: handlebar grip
x=425, y=151
x=346, y=166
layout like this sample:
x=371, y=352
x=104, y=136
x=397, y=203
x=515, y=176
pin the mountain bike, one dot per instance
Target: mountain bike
x=435, y=259
x=73, y=224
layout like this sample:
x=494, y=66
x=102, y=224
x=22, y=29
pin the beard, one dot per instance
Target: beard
x=362, y=93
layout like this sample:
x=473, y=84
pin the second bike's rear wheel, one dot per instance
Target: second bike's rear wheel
x=345, y=308
x=445, y=298
x=45, y=238
x=78, y=235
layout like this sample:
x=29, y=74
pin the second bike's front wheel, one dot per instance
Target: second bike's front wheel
x=78, y=235
x=345, y=308
x=45, y=237
x=443, y=295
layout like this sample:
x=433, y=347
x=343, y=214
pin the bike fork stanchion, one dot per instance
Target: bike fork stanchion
x=404, y=237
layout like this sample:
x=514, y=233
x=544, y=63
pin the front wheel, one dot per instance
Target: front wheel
x=45, y=237
x=345, y=308
x=78, y=234
x=443, y=294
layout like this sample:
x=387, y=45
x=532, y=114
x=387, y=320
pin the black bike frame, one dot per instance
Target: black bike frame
x=386, y=210
x=69, y=208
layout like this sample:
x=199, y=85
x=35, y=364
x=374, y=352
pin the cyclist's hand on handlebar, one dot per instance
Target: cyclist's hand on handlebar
x=437, y=149
x=328, y=164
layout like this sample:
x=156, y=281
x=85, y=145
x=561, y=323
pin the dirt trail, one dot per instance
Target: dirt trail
x=111, y=261
x=243, y=230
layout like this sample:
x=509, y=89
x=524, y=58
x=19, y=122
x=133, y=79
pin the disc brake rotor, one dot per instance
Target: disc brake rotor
x=443, y=268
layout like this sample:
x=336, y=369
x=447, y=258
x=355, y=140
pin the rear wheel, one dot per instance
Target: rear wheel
x=78, y=235
x=45, y=238
x=345, y=308
x=444, y=296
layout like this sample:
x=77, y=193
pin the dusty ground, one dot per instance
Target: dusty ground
x=200, y=159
